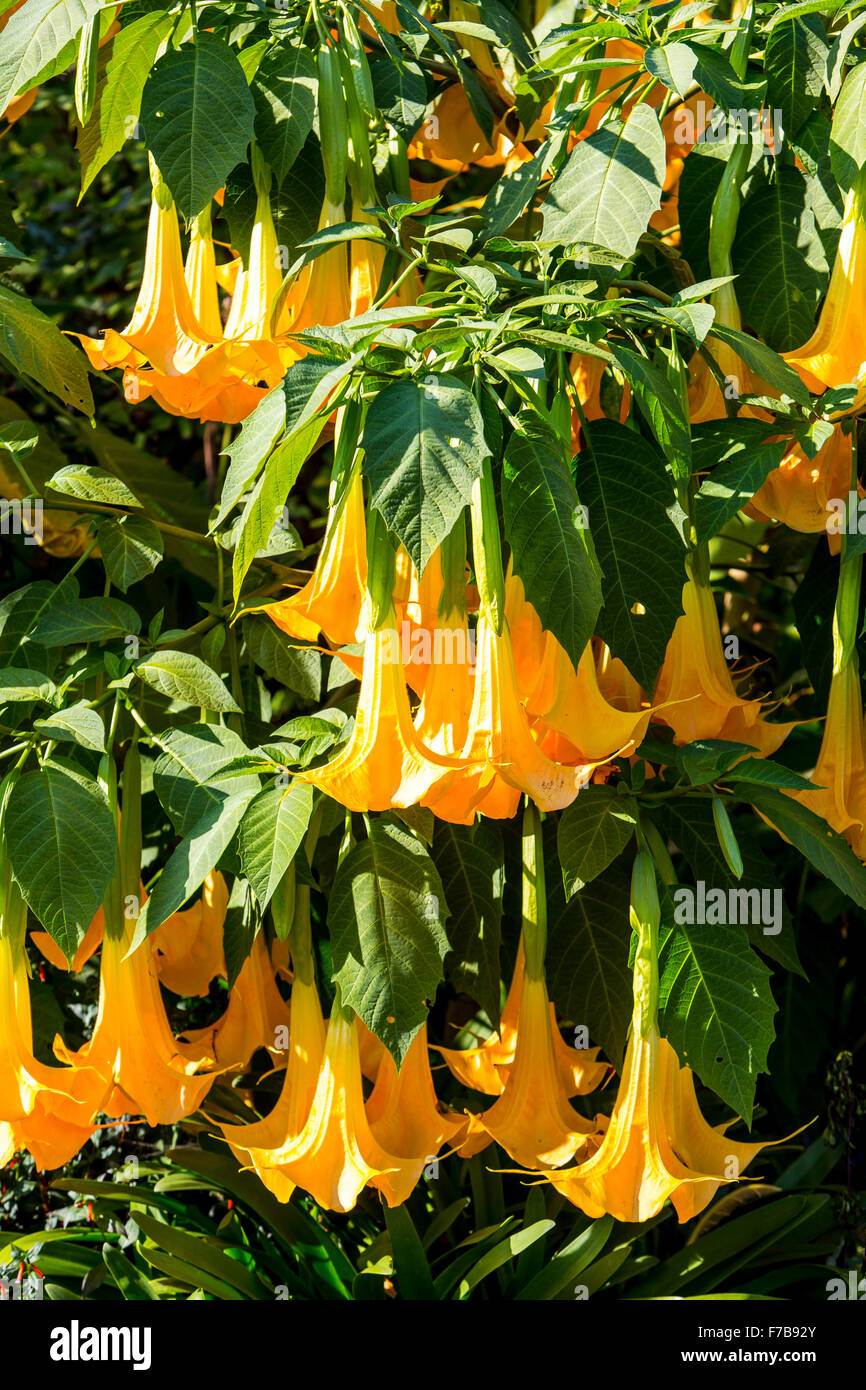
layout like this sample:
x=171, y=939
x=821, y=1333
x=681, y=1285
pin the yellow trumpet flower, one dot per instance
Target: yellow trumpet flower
x=835, y=355
x=189, y=946
x=840, y=772
x=319, y=294
x=256, y=1016
x=696, y=687
x=132, y=1048
x=406, y=1118
x=799, y=490
x=332, y=601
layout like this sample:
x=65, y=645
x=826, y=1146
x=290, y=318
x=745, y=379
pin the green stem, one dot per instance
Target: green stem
x=534, y=897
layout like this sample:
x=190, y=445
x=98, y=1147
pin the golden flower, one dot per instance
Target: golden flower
x=256, y=1016
x=188, y=946
x=840, y=772
x=319, y=293
x=835, y=355
x=706, y=401
x=696, y=686
x=132, y=1049
x=799, y=490
x=406, y=1118
x=332, y=601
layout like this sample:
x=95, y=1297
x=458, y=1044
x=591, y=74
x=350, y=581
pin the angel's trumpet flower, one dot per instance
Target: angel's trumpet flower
x=332, y=601
x=163, y=330
x=383, y=764
x=835, y=355
x=637, y=1167
x=695, y=683
x=442, y=720
x=90, y=943
x=256, y=1016
x=41, y=1109
x=800, y=491
x=319, y=294
x=132, y=1047
x=200, y=273
x=840, y=772
x=405, y=1115
x=532, y=1119
x=566, y=700
x=189, y=945
x=451, y=138
x=706, y=400
x=616, y=682
x=501, y=757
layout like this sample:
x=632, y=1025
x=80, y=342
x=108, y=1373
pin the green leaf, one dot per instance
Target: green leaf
x=423, y=449
x=131, y=549
x=77, y=723
x=848, y=135
x=782, y=270
x=36, y=34
x=284, y=91
x=62, y=844
x=265, y=505
x=124, y=66
x=249, y=449
x=610, y=186
x=825, y=850
x=411, y=1268
x=562, y=1270
x=673, y=64
x=795, y=66
x=551, y=546
x=470, y=861
x=401, y=94
x=279, y=656
x=588, y=940
x=592, y=832
x=184, y=677
x=763, y=772
x=130, y=1281
x=270, y=834
x=33, y=345
x=190, y=864
x=764, y=362
x=198, y=117
x=92, y=484
x=511, y=195
x=661, y=406
x=716, y=1006
x=190, y=776
x=743, y=468
x=621, y=476
x=85, y=620
x=385, y=916
x=20, y=683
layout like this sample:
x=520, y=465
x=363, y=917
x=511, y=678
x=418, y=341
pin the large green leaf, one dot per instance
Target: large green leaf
x=131, y=548
x=85, y=620
x=196, y=855
x=620, y=477
x=551, y=547
x=662, y=407
x=190, y=776
x=36, y=34
x=185, y=677
x=198, y=117
x=32, y=344
x=471, y=864
x=782, y=270
x=423, y=447
x=287, y=661
x=270, y=834
x=62, y=844
x=763, y=361
x=744, y=459
x=825, y=850
x=716, y=1006
x=124, y=67
x=592, y=831
x=264, y=508
x=610, y=186
x=588, y=940
x=385, y=917
x=848, y=136
x=795, y=66
x=284, y=91
x=401, y=94
x=249, y=449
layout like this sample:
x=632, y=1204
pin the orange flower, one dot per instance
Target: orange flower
x=840, y=772
x=451, y=137
x=332, y=601
x=835, y=355
x=799, y=490
x=695, y=683
x=706, y=401
x=319, y=294
x=405, y=1115
x=256, y=1016
x=188, y=947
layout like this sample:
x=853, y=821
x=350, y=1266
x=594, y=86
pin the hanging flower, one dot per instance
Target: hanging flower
x=800, y=490
x=188, y=947
x=256, y=1016
x=696, y=686
x=405, y=1115
x=840, y=772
